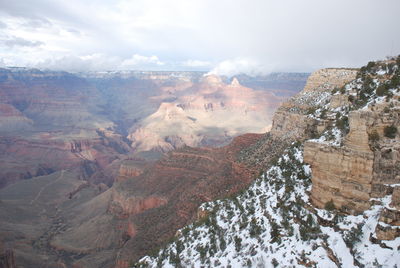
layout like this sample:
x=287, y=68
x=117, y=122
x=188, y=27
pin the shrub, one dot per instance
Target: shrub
x=222, y=243
x=395, y=81
x=390, y=131
x=323, y=114
x=238, y=243
x=274, y=262
x=343, y=123
x=330, y=205
x=370, y=65
x=311, y=110
x=373, y=136
x=382, y=90
x=353, y=236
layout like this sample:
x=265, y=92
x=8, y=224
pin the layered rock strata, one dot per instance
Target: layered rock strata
x=291, y=120
x=354, y=173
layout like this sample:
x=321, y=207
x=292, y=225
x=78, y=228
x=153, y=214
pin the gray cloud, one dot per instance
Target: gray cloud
x=36, y=23
x=20, y=42
x=249, y=36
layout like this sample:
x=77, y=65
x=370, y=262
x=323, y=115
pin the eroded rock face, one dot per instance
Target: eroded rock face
x=27, y=158
x=387, y=232
x=341, y=175
x=290, y=121
x=352, y=174
x=165, y=197
x=292, y=125
x=327, y=79
x=361, y=169
x=396, y=198
x=207, y=113
x=131, y=168
x=124, y=206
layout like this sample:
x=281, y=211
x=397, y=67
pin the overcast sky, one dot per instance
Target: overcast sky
x=225, y=36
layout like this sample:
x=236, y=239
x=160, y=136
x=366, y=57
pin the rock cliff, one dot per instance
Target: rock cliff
x=291, y=120
x=363, y=166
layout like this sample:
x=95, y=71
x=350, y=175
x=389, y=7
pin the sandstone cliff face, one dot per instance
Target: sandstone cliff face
x=352, y=174
x=364, y=166
x=327, y=79
x=356, y=168
x=341, y=175
x=291, y=120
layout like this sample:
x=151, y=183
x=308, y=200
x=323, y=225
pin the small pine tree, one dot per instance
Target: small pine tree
x=390, y=131
x=330, y=205
x=373, y=136
x=274, y=262
x=238, y=243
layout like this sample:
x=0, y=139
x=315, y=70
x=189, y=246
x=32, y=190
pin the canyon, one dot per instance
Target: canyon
x=91, y=160
x=171, y=176
x=56, y=120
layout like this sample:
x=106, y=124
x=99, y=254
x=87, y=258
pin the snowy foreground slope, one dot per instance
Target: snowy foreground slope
x=274, y=224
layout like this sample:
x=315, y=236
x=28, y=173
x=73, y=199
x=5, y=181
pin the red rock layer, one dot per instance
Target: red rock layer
x=166, y=196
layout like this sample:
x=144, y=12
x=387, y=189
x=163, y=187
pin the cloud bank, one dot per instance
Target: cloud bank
x=226, y=37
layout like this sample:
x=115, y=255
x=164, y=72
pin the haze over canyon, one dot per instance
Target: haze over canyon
x=182, y=133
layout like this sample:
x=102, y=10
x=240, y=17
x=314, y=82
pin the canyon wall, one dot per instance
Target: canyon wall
x=364, y=167
x=291, y=120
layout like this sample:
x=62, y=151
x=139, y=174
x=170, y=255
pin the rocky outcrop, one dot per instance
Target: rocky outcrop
x=341, y=175
x=330, y=78
x=359, y=170
x=366, y=163
x=291, y=120
x=124, y=206
x=292, y=126
x=131, y=168
x=396, y=198
x=364, y=168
